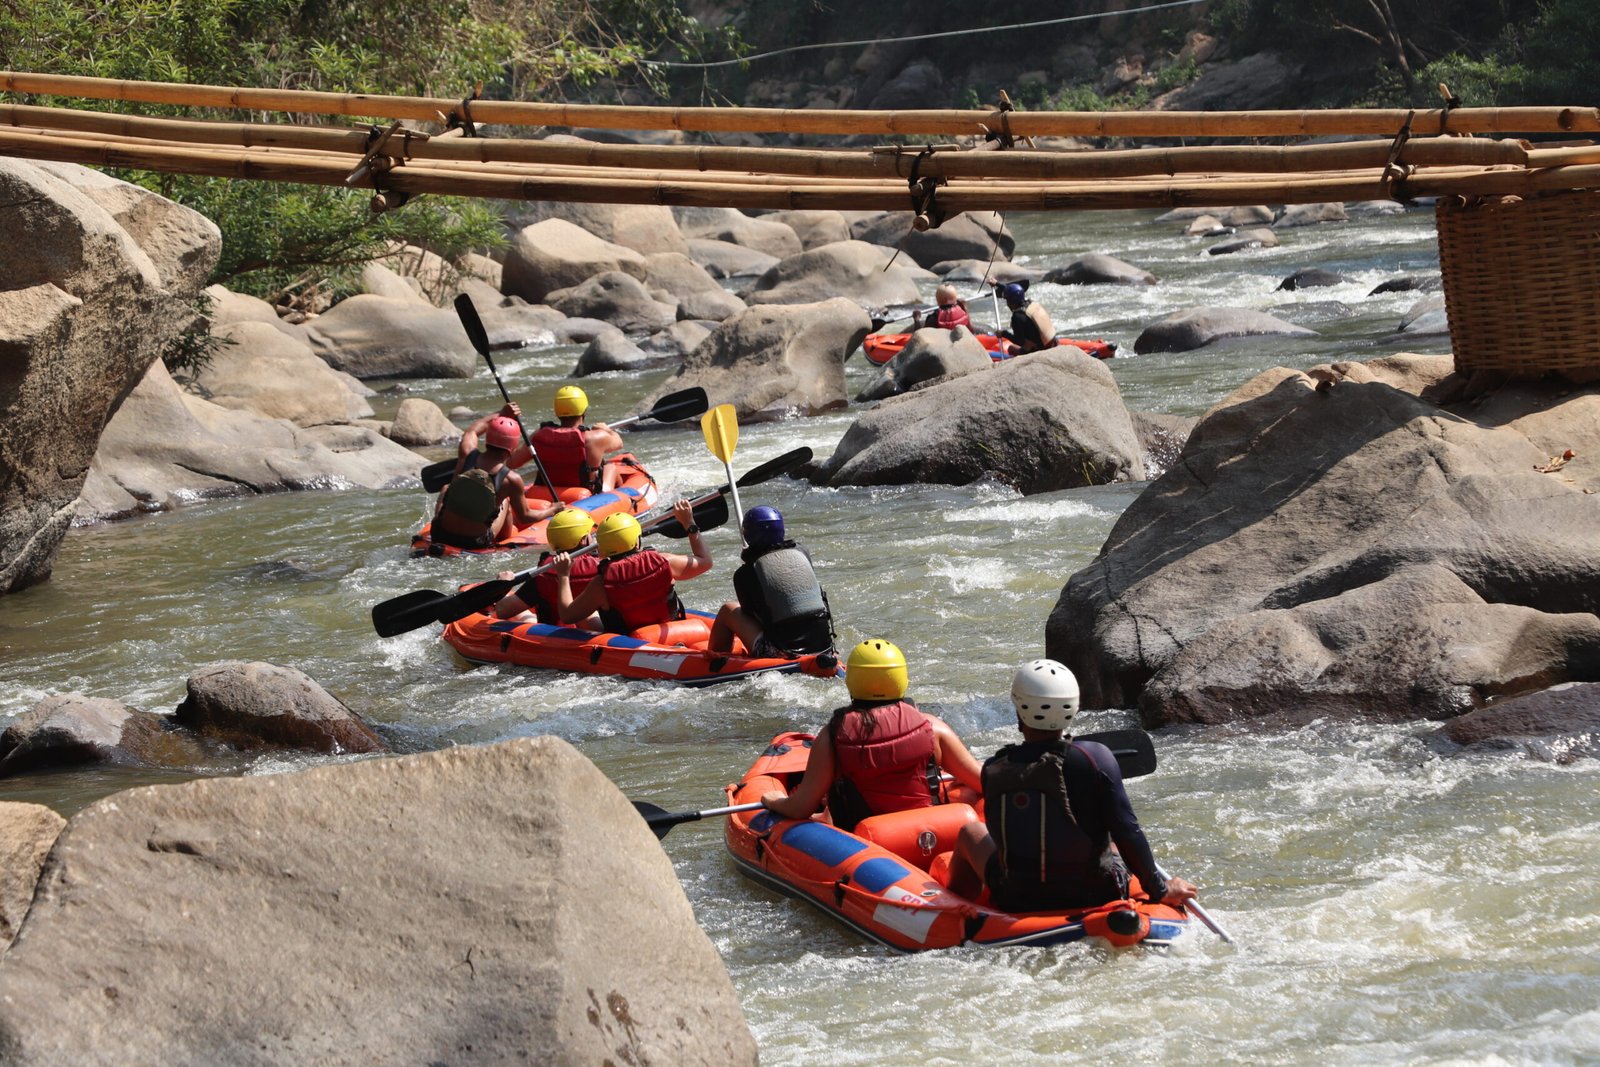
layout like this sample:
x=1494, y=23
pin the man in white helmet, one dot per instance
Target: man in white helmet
x=1053, y=808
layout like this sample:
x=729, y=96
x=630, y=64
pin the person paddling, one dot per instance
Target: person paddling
x=633, y=586
x=567, y=532
x=879, y=753
x=487, y=494
x=782, y=611
x=950, y=313
x=1054, y=807
x=572, y=454
x=1031, y=328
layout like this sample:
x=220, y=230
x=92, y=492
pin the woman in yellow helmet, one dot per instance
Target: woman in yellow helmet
x=879, y=753
x=567, y=532
x=634, y=585
x=574, y=455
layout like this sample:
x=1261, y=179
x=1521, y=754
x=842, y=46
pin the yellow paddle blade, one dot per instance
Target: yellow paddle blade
x=721, y=425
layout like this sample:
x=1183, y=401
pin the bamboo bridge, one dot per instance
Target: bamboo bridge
x=1517, y=219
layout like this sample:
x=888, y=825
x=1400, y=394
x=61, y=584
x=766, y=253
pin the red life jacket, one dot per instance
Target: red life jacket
x=583, y=571
x=889, y=767
x=639, y=589
x=950, y=318
x=562, y=453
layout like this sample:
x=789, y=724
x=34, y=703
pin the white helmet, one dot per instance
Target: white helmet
x=1045, y=695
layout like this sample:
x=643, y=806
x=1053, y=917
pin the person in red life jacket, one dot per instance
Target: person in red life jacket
x=951, y=312
x=567, y=532
x=634, y=585
x=487, y=495
x=1031, y=328
x=572, y=454
x=782, y=611
x=879, y=753
x=1054, y=809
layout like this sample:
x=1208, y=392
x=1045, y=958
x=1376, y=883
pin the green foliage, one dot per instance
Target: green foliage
x=191, y=352
x=1177, y=75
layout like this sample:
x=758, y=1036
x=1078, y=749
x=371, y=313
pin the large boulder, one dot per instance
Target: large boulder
x=1309, y=215
x=418, y=422
x=555, y=254
x=166, y=447
x=929, y=355
x=1096, y=268
x=775, y=360
x=262, y=705
x=735, y=227
x=814, y=228
x=648, y=229
x=379, y=280
x=618, y=298
x=1185, y=331
x=1344, y=542
x=852, y=269
x=1245, y=240
x=610, y=351
x=487, y=905
x=1041, y=422
x=228, y=307
x=100, y=278
x=1560, y=724
x=518, y=323
x=27, y=832
x=261, y=369
x=969, y=235
x=982, y=272
x=1427, y=317
x=1262, y=80
x=698, y=294
x=724, y=259
x=380, y=337
x=69, y=729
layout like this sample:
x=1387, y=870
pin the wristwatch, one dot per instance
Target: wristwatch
x=693, y=529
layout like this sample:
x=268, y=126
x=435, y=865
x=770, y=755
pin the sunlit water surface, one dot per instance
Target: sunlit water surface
x=1393, y=900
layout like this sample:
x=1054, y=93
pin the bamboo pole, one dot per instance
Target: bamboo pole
x=264, y=165
x=948, y=122
x=860, y=163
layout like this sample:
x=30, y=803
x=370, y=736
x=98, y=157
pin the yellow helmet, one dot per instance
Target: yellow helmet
x=876, y=670
x=570, y=400
x=568, y=528
x=618, y=534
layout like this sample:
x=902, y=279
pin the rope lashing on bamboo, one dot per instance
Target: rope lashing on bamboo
x=1394, y=175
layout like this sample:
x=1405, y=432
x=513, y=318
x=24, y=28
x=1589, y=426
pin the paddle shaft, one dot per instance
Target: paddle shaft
x=467, y=312
x=1199, y=911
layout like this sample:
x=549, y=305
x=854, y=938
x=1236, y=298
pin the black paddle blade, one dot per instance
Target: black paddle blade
x=468, y=313
x=660, y=820
x=435, y=476
x=684, y=404
x=1135, y=751
x=708, y=515
x=403, y=613
x=468, y=601
x=765, y=472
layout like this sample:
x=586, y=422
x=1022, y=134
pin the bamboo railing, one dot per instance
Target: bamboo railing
x=1412, y=154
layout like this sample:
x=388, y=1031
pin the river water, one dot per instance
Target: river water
x=1393, y=901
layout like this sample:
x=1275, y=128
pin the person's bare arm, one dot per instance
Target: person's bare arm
x=696, y=564
x=954, y=756
x=808, y=796
x=592, y=599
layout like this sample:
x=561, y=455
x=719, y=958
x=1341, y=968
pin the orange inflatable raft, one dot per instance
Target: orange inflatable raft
x=635, y=492
x=669, y=651
x=886, y=880
x=880, y=348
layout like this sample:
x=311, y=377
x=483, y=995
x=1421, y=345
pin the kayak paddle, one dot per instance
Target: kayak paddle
x=684, y=404
x=409, y=611
x=468, y=314
x=721, y=427
x=1199, y=913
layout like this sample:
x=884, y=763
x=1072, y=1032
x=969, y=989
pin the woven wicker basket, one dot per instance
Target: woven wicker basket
x=1522, y=283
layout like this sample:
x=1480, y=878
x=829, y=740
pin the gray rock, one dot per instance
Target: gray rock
x=1185, y=331
x=648, y=229
x=979, y=271
x=617, y=298
x=968, y=235
x=850, y=269
x=263, y=370
x=1206, y=226
x=1311, y=278
x=1427, y=317
x=723, y=259
x=71, y=729
x=1041, y=422
x=930, y=354
x=1425, y=283
x=698, y=295
x=521, y=323
x=228, y=307
x=1264, y=80
x=1310, y=215
x=677, y=340
x=100, y=277
x=1162, y=436
x=263, y=705
x=420, y=422
x=555, y=254
x=1560, y=724
x=379, y=280
x=1246, y=239
x=1098, y=269
x=920, y=84
x=1253, y=215
x=26, y=833
x=1335, y=542
x=376, y=337
x=735, y=227
x=610, y=351
x=1367, y=209
x=814, y=228
x=775, y=360
x=482, y=904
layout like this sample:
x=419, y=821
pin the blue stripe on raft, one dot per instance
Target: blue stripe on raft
x=877, y=875
x=590, y=503
x=701, y=614
x=620, y=641
x=559, y=633
x=822, y=842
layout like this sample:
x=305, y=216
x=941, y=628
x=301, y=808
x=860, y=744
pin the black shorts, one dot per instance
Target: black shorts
x=455, y=540
x=1103, y=886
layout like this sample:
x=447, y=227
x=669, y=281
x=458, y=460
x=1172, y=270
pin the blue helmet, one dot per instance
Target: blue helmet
x=1013, y=292
x=763, y=526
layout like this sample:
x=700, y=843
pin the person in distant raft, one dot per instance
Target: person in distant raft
x=782, y=610
x=880, y=752
x=567, y=532
x=572, y=454
x=951, y=312
x=487, y=494
x=633, y=586
x=1054, y=807
x=1031, y=328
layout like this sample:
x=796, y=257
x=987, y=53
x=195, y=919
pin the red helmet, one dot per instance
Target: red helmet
x=504, y=433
